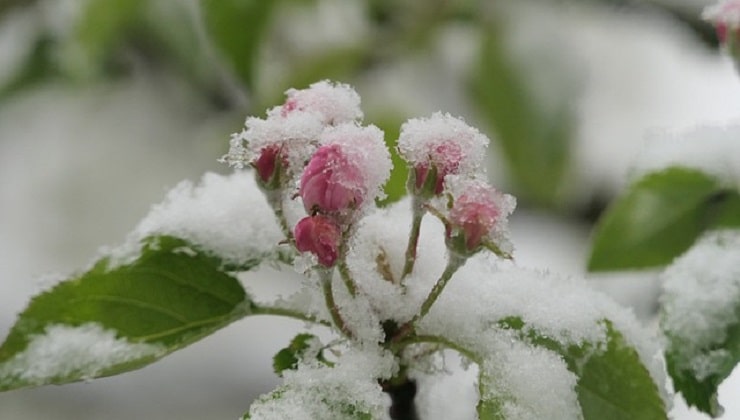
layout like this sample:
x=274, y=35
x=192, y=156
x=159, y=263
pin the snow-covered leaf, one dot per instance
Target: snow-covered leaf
x=288, y=357
x=236, y=27
x=115, y=318
x=299, y=403
x=701, y=318
x=348, y=389
x=659, y=217
x=612, y=382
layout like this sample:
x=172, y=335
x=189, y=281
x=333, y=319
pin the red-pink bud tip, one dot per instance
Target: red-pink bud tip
x=320, y=236
x=331, y=182
x=266, y=163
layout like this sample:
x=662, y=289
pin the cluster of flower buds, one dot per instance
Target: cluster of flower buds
x=445, y=156
x=725, y=16
x=315, y=141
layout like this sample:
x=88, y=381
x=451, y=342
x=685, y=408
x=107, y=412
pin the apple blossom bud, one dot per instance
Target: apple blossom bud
x=478, y=217
x=266, y=164
x=725, y=16
x=275, y=146
x=331, y=182
x=332, y=103
x=346, y=172
x=320, y=236
x=437, y=147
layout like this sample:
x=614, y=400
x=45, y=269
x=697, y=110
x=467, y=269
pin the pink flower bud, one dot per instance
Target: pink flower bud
x=346, y=172
x=330, y=182
x=266, y=163
x=332, y=103
x=725, y=16
x=475, y=216
x=478, y=214
x=275, y=143
x=445, y=157
x=444, y=143
x=320, y=236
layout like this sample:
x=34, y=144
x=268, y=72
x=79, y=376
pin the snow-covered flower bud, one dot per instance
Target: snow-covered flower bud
x=725, y=16
x=332, y=103
x=320, y=236
x=346, y=171
x=276, y=147
x=438, y=146
x=267, y=163
x=330, y=182
x=478, y=217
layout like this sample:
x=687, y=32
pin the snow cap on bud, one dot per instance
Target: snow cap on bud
x=332, y=103
x=346, y=171
x=478, y=217
x=275, y=145
x=725, y=16
x=438, y=146
x=320, y=236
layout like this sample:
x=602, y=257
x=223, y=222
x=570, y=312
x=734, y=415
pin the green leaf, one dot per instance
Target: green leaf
x=128, y=315
x=702, y=392
x=536, y=142
x=395, y=188
x=289, y=357
x=613, y=384
x=236, y=28
x=101, y=30
x=700, y=318
x=36, y=68
x=659, y=217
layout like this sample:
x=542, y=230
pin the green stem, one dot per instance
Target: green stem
x=407, y=329
x=434, y=339
x=347, y=277
x=290, y=313
x=344, y=272
x=326, y=285
x=454, y=263
x=418, y=215
x=275, y=200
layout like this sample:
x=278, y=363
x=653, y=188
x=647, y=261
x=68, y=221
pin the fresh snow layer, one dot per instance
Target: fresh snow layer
x=73, y=352
x=226, y=215
x=711, y=149
x=531, y=382
x=486, y=290
x=700, y=301
x=314, y=391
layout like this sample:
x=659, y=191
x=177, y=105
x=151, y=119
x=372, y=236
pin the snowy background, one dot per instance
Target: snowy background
x=79, y=166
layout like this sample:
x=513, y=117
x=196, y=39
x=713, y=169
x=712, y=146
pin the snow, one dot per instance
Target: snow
x=531, y=382
x=364, y=147
x=714, y=150
x=671, y=85
x=215, y=215
x=565, y=309
x=445, y=141
x=318, y=392
x=63, y=351
x=296, y=134
x=333, y=103
x=701, y=291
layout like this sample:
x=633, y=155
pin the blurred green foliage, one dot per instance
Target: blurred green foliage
x=219, y=48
